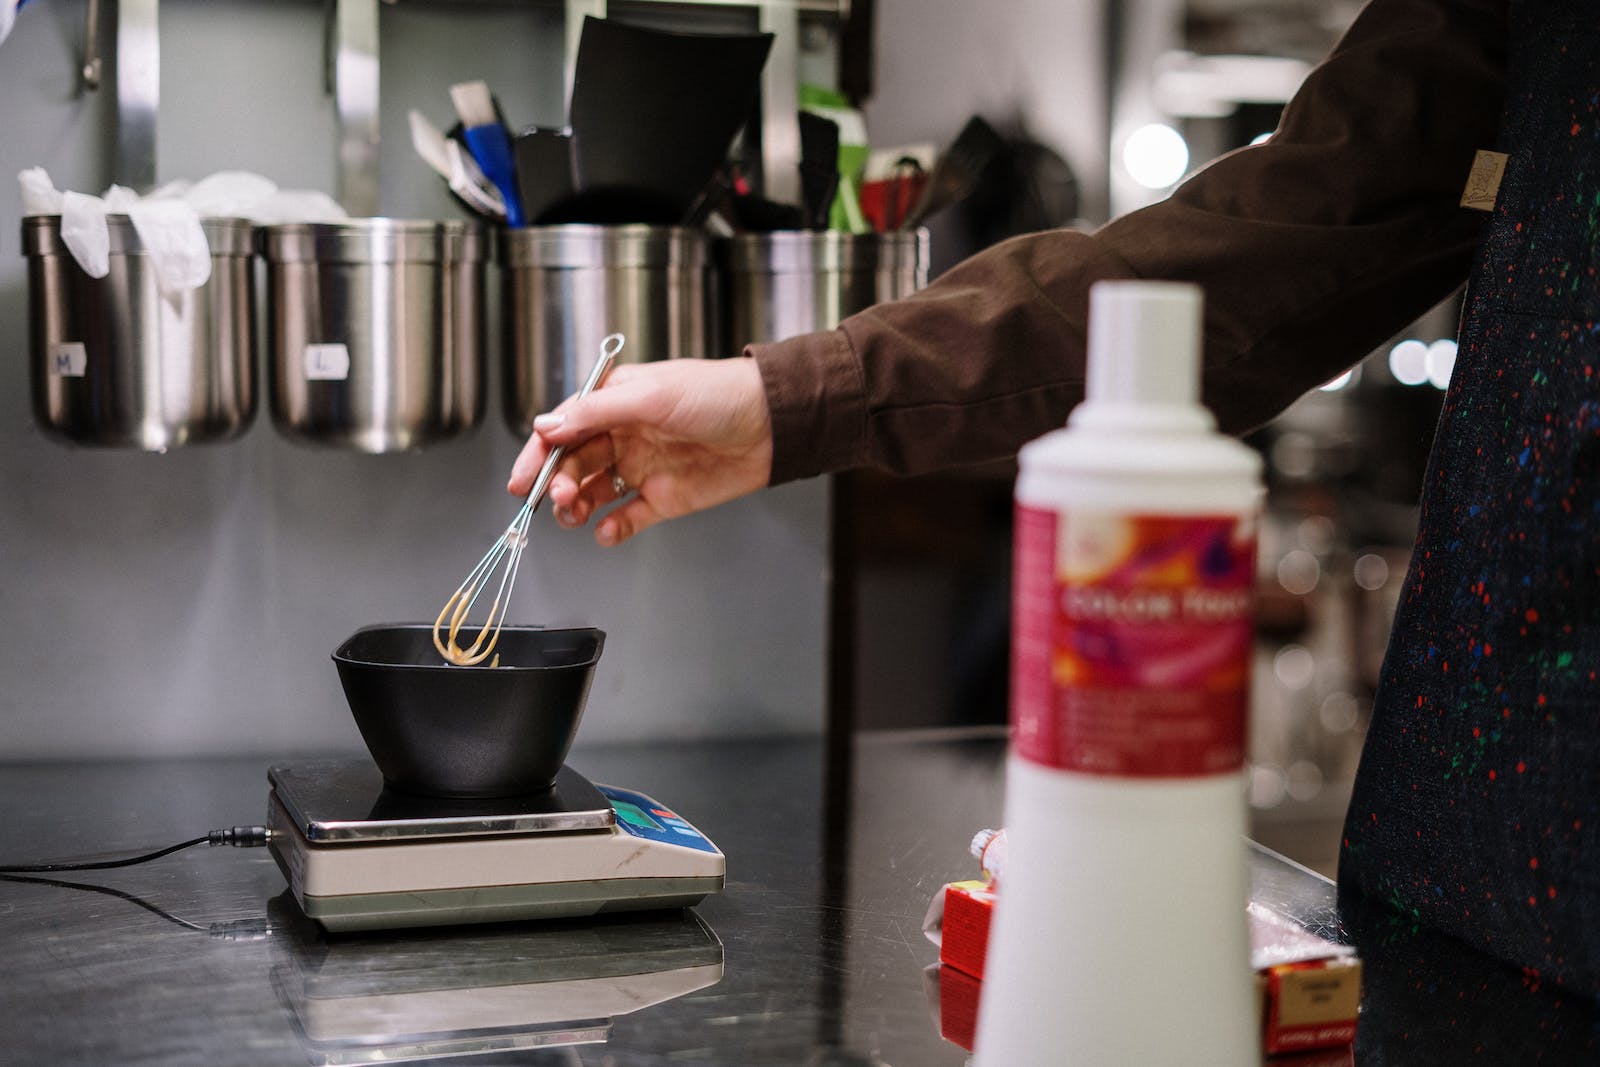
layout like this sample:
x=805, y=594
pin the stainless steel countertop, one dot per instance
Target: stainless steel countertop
x=202, y=957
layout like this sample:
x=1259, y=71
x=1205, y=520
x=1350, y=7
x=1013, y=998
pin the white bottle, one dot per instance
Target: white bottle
x=1120, y=933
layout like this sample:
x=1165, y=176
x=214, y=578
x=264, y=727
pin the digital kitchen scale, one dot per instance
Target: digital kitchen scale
x=360, y=856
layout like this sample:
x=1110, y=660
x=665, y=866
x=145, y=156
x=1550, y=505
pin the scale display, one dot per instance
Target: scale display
x=640, y=816
x=359, y=856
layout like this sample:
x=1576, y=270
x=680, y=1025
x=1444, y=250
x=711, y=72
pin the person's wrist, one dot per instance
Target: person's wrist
x=755, y=390
x=753, y=393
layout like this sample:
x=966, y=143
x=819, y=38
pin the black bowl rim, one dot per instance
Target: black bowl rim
x=339, y=655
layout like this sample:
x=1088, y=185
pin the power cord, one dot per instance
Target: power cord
x=256, y=929
x=237, y=836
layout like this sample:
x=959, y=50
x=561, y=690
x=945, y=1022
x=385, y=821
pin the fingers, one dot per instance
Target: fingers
x=583, y=481
x=685, y=434
x=581, y=498
x=577, y=467
x=526, y=467
x=579, y=418
x=574, y=421
x=626, y=520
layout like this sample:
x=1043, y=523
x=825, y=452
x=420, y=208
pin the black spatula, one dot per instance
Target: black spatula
x=653, y=114
x=957, y=171
x=819, y=167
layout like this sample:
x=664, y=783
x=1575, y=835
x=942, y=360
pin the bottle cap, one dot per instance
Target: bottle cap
x=1144, y=343
x=989, y=846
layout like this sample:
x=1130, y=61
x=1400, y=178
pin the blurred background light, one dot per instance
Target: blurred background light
x=1441, y=362
x=1156, y=155
x=1371, y=572
x=1408, y=362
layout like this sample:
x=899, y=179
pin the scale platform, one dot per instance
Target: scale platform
x=359, y=856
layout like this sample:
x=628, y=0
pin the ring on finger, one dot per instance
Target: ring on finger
x=618, y=485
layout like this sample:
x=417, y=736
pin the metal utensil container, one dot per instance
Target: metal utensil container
x=375, y=331
x=116, y=363
x=791, y=282
x=567, y=287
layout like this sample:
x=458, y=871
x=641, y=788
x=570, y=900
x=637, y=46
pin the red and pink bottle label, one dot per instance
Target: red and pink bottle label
x=1131, y=642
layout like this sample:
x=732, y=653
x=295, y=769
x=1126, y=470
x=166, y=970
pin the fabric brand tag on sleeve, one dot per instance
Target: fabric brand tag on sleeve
x=1483, y=182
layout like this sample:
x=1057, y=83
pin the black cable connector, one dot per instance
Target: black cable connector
x=240, y=836
x=237, y=836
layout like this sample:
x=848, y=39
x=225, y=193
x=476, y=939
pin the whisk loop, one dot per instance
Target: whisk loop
x=505, y=555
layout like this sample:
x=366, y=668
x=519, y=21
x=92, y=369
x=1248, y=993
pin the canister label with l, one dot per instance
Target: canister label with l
x=327, y=363
x=1131, y=641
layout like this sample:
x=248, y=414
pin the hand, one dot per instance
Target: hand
x=682, y=435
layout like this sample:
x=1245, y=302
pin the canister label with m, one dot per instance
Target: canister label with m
x=1131, y=641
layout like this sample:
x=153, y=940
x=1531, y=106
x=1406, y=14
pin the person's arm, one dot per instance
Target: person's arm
x=1312, y=248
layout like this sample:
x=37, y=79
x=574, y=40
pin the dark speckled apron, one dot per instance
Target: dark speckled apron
x=1477, y=805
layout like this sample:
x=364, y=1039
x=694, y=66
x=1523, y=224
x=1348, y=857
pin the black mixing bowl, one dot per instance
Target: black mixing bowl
x=446, y=731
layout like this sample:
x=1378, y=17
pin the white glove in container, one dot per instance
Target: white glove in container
x=141, y=308
x=122, y=359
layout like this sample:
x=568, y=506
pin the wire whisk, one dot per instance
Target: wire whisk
x=505, y=555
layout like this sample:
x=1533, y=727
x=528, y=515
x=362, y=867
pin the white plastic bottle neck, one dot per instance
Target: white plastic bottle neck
x=1144, y=359
x=1175, y=420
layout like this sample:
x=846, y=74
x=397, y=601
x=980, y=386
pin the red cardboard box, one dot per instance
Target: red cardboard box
x=1310, y=988
x=968, y=907
x=1310, y=1005
x=958, y=1006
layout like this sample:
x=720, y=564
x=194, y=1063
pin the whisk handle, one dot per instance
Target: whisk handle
x=608, y=355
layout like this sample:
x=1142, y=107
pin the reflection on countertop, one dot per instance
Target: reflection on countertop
x=831, y=868
x=402, y=997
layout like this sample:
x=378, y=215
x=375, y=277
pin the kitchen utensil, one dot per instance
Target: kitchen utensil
x=819, y=167
x=956, y=173
x=544, y=171
x=757, y=214
x=905, y=190
x=653, y=115
x=1027, y=188
x=456, y=167
x=505, y=554
x=441, y=730
x=427, y=140
x=376, y=331
x=562, y=286
x=887, y=200
x=853, y=153
x=114, y=362
x=489, y=142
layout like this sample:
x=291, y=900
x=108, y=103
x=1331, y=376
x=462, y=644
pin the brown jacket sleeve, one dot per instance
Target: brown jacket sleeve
x=1312, y=249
